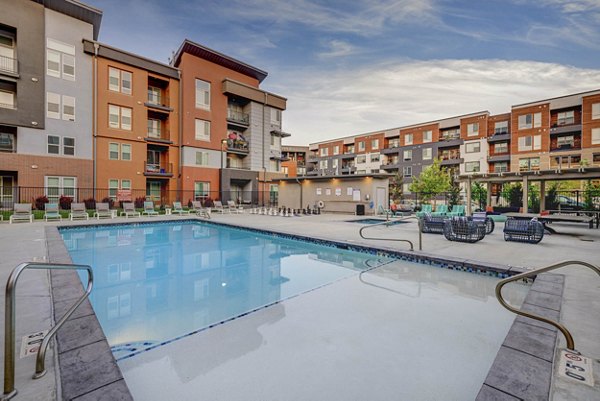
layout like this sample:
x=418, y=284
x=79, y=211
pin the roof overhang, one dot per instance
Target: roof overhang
x=77, y=10
x=254, y=94
x=582, y=173
x=346, y=177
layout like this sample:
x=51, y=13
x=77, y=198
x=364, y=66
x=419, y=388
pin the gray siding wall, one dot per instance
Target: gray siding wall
x=70, y=31
x=28, y=19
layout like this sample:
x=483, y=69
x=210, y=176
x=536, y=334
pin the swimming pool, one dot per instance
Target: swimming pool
x=401, y=331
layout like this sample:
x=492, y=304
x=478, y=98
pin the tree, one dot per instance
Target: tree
x=479, y=194
x=432, y=181
x=396, y=187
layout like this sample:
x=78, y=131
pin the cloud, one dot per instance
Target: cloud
x=325, y=104
x=337, y=48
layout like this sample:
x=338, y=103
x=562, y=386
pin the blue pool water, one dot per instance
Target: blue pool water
x=157, y=282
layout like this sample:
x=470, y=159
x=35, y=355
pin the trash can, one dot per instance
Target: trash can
x=360, y=210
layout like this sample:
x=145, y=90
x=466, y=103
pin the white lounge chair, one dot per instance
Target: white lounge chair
x=231, y=205
x=177, y=208
x=129, y=210
x=21, y=211
x=51, y=211
x=102, y=210
x=199, y=210
x=78, y=211
x=149, y=209
x=218, y=207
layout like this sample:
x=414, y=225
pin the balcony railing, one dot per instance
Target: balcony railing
x=8, y=64
x=158, y=170
x=450, y=156
x=238, y=117
x=237, y=145
x=450, y=137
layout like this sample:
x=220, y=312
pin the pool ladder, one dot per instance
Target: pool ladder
x=562, y=328
x=9, y=323
x=389, y=222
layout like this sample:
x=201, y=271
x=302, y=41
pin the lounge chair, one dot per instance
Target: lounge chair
x=432, y=224
x=462, y=229
x=149, y=209
x=78, y=211
x=52, y=211
x=129, y=210
x=425, y=209
x=232, y=206
x=177, y=208
x=199, y=210
x=457, y=210
x=530, y=231
x=384, y=212
x=102, y=210
x=218, y=207
x=482, y=218
x=440, y=210
x=22, y=211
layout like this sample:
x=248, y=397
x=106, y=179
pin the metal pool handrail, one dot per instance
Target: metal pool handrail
x=562, y=328
x=387, y=222
x=9, y=323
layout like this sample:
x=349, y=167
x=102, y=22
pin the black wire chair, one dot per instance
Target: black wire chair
x=530, y=231
x=463, y=229
x=481, y=218
x=433, y=224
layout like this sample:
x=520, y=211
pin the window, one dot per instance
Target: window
x=407, y=155
x=537, y=142
x=324, y=152
x=427, y=136
x=202, y=130
x=349, y=149
x=595, y=111
x=113, y=188
x=525, y=143
x=59, y=186
x=68, y=104
x=394, y=143
x=375, y=144
x=119, y=117
x=275, y=141
x=334, y=163
x=68, y=146
x=7, y=98
x=472, y=147
x=527, y=121
x=7, y=143
x=119, y=80
x=323, y=164
x=375, y=157
x=408, y=139
x=60, y=60
x=336, y=150
x=500, y=167
x=406, y=188
x=472, y=167
x=125, y=152
x=565, y=118
x=113, y=151
x=566, y=141
x=53, y=105
x=202, y=94
x=361, y=159
x=501, y=147
x=126, y=184
x=202, y=158
x=427, y=154
x=275, y=116
x=154, y=95
x=500, y=127
x=53, y=144
x=201, y=189
x=154, y=128
x=7, y=49
x=473, y=129
x=595, y=136
x=528, y=164
x=407, y=171
x=361, y=146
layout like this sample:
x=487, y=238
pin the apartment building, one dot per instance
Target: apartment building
x=136, y=129
x=45, y=86
x=293, y=160
x=231, y=141
x=552, y=134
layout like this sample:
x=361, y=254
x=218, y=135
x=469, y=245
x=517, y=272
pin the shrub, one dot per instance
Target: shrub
x=208, y=202
x=40, y=202
x=110, y=202
x=90, y=203
x=65, y=202
x=139, y=202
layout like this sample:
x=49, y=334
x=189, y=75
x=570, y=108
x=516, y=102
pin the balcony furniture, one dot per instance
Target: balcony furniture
x=425, y=209
x=462, y=229
x=530, y=231
x=22, y=211
x=432, y=224
x=440, y=210
x=457, y=210
x=482, y=218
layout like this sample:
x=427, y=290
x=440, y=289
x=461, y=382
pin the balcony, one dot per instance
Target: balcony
x=564, y=129
x=159, y=136
x=8, y=65
x=565, y=147
x=502, y=136
x=450, y=157
x=390, y=150
x=238, y=118
x=157, y=102
x=238, y=146
x=498, y=157
x=449, y=140
x=162, y=170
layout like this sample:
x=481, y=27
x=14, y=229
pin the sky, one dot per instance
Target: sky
x=350, y=67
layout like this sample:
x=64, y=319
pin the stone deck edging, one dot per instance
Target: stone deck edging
x=88, y=370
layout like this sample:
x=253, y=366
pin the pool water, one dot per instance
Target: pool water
x=158, y=282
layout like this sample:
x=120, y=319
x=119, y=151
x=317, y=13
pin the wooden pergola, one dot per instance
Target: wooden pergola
x=541, y=176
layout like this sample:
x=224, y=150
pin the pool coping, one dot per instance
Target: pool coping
x=86, y=344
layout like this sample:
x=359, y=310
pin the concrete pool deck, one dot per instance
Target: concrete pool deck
x=580, y=306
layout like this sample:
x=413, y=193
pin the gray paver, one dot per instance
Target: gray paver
x=488, y=393
x=79, y=332
x=116, y=391
x=544, y=299
x=532, y=340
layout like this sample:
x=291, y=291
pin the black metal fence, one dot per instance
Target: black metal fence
x=38, y=196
